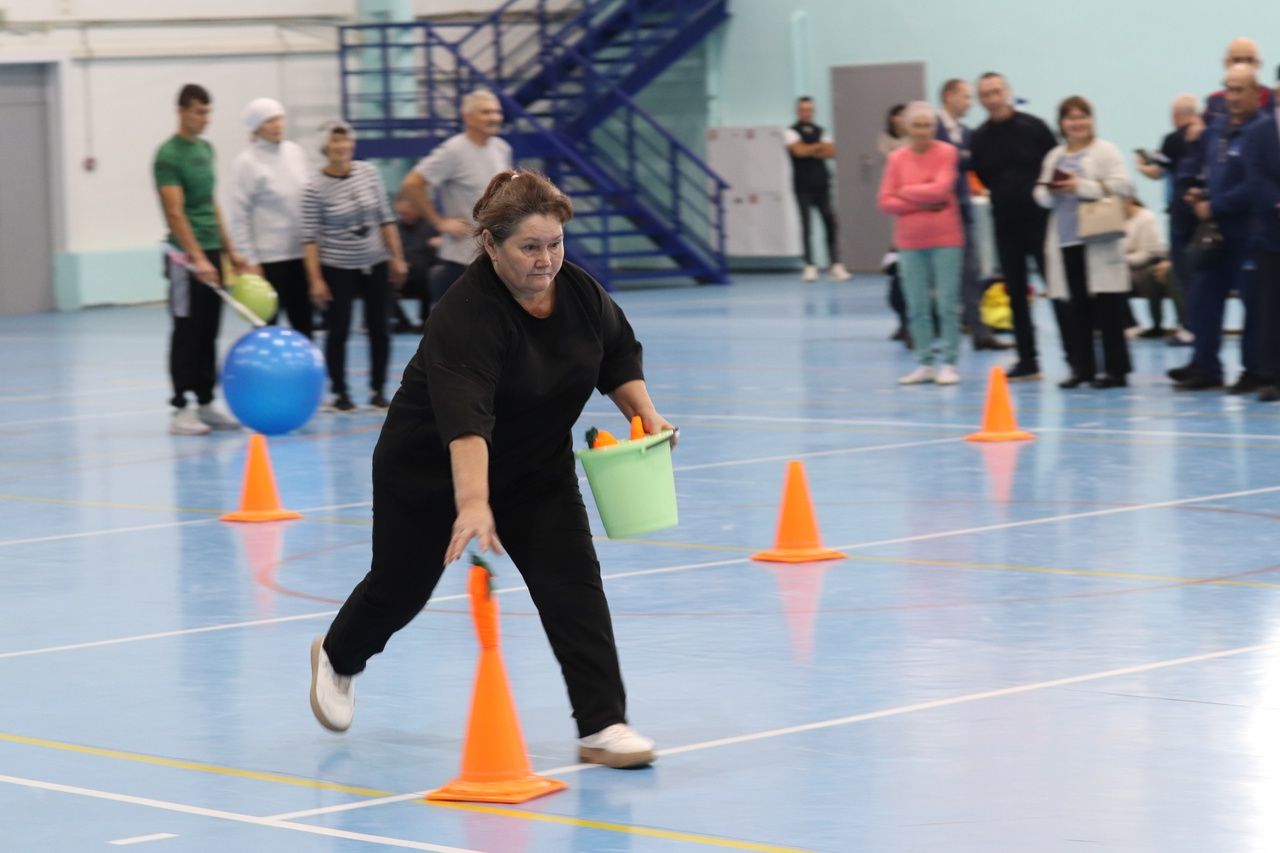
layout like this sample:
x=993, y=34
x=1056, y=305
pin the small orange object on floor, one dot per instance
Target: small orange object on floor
x=798, y=540
x=259, y=500
x=998, y=420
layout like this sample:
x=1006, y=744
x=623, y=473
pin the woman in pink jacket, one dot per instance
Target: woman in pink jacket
x=919, y=189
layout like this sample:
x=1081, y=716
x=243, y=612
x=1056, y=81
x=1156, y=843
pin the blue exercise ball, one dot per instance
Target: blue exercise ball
x=273, y=379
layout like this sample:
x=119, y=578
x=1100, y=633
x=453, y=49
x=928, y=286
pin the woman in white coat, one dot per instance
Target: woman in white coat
x=267, y=180
x=1091, y=276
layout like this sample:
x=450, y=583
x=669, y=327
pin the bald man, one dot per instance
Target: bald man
x=1241, y=51
x=1215, y=184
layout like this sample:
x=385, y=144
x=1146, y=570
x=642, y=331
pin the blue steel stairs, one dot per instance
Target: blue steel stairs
x=646, y=207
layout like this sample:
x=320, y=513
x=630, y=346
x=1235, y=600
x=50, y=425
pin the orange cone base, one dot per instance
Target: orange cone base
x=798, y=555
x=508, y=791
x=1013, y=435
x=260, y=515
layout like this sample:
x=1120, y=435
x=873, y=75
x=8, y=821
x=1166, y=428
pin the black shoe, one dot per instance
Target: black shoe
x=1270, y=394
x=1022, y=373
x=378, y=401
x=1109, y=382
x=1247, y=384
x=1196, y=382
x=1073, y=382
x=1151, y=334
x=990, y=342
x=1181, y=374
x=900, y=335
x=404, y=327
x=342, y=403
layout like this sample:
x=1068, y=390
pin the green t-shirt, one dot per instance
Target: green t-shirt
x=189, y=164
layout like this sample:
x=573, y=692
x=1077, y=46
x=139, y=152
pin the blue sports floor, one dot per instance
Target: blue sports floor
x=1072, y=644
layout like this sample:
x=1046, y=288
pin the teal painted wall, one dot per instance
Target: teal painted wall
x=1130, y=59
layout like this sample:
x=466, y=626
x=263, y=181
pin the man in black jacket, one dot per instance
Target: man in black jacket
x=1006, y=153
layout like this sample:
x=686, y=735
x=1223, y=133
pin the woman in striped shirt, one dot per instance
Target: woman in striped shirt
x=351, y=248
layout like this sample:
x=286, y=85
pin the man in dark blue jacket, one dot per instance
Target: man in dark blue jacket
x=957, y=98
x=1262, y=166
x=1224, y=196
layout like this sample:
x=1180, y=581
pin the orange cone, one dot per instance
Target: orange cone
x=495, y=763
x=798, y=540
x=259, y=500
x=637, y=428
x=998, y=421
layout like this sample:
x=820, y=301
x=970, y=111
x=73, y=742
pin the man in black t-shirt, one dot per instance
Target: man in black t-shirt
x=810, y=148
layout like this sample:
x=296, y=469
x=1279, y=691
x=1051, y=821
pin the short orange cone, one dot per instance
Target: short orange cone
x=998, y=421
x=495, y=763
x=798, y=540
x=259, y=500
x=637, y=428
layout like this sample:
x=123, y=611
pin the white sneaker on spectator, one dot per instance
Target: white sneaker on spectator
x=810, y=273
x=923, y=373
x=839, y=273
x=214, y=418
x=947, y=375
x=186, y=422
x=1183, y=337
x=1132, y=332
x=333, y=696
x=618, y=745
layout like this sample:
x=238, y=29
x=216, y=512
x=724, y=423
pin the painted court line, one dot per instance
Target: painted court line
x=235, y=817
x=818, y=453
x=836, y=722
x=921, y=537
x=142, y=839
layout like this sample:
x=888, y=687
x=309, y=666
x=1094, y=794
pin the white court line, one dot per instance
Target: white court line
x=142, y=839
x=110, y=531
x=816, y=453
x=77, y=394
x=155, y=410
x=235, y=817
x=883, y=713
x=920, y=537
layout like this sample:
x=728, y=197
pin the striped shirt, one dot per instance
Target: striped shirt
x=343, y=217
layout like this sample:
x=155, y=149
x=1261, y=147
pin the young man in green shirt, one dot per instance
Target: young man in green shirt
x=184, y=177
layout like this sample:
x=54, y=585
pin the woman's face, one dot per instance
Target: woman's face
x=1077, y=126
x=340, y=150
x=528, y=260
x=900, y=124
x=272, y=130
x=921, y=130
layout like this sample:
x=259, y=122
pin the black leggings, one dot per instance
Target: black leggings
x=193, y=345
x=822, y=201
x=374, y=290
x=1104, y=312
x=550, y=542
x=289, y=278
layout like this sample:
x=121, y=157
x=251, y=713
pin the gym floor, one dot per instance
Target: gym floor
x=1067, y=644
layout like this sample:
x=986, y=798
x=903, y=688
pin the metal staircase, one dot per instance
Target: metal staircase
x=646, y=206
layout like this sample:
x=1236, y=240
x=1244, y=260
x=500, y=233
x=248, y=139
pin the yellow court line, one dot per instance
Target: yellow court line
x=105, y=504
x=374, y=793
x=199, y=766
x=629, y=829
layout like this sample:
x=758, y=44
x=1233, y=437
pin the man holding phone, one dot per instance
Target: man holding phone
x=1007, y=152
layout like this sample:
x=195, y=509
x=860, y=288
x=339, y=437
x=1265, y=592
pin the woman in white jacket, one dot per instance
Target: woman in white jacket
x=1092, y=276
x=267, y=180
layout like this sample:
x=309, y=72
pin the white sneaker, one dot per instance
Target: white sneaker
x=1133, y=332
x=839, y=273
x=810, y=273
x=618, y=745
x=215, y=418
x=920, y=375
x=1182, y=336
x=186, y=422
x=333, y=696
x=947, y=375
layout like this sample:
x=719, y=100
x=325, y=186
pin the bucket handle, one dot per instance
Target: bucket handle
x=666, y=439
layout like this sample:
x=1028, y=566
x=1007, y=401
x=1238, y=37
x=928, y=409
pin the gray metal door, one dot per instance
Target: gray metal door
x=861, y=96
x=26, y=223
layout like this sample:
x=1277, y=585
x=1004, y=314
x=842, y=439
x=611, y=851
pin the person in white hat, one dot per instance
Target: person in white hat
x=267, y=180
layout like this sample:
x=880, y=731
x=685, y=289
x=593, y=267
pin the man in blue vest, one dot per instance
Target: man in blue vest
x=1213, y=179
x=1262, y=166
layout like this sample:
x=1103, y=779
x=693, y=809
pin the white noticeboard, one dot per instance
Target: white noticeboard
x=761, y=219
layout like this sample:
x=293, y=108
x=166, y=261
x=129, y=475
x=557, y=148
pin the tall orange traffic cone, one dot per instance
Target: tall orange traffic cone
x=998, y=421
x=259, y=500
x=495, y=763
x=798, y=540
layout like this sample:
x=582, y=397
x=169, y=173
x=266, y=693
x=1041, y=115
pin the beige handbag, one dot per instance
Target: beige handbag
x=1101, y=219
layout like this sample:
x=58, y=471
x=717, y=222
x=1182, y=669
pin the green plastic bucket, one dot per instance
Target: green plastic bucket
x=634, y=485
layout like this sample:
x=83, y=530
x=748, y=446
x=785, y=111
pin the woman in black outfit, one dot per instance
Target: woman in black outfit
x=477, y=446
